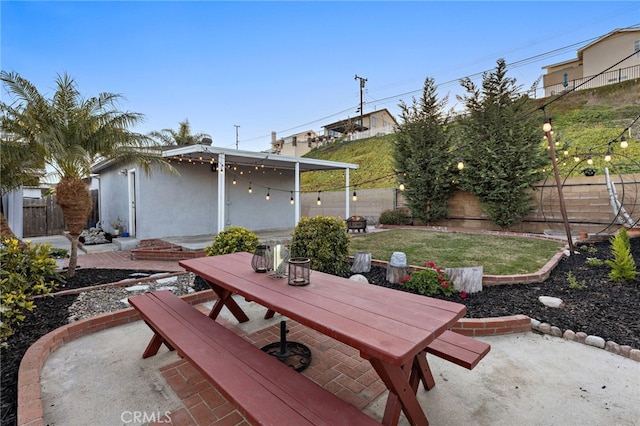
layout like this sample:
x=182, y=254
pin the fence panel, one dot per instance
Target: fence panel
x=42, y=217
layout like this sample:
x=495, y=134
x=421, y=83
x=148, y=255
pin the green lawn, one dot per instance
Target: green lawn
x=498, y=255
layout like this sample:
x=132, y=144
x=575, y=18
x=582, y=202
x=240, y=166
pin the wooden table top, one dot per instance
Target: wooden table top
x=382, y=323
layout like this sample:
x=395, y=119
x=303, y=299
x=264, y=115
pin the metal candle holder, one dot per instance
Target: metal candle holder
x=261, y=260
x=299, y=269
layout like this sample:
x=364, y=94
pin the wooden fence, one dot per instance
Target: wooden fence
x=42, y=216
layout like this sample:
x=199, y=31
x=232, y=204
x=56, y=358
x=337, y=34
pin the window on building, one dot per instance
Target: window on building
x=636, y=48
x=373, y=122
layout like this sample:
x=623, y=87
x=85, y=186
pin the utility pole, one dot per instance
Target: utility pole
x=236, y=126
x=362, y=82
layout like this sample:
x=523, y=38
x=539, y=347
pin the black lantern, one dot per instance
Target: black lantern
x=261, y=261
x=299, y=269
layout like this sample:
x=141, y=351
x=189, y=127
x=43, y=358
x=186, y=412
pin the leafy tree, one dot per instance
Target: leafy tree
x=71, y=133
x=181, y=137
x=422, y=154
x=502, y=151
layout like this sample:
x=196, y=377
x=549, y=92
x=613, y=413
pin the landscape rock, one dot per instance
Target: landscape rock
x=545, y=328
x=555, y=331
x=634, y=354
x=569, y=335
x=552, y=302
x=596, y=341
x=359, y=278
x=611, y=346
x=581, y=336
x=398, y=259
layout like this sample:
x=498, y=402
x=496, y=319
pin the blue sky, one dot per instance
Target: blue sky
x=287, y=66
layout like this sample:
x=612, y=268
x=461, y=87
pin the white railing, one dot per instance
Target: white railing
x=609, y=77
x=378, y=131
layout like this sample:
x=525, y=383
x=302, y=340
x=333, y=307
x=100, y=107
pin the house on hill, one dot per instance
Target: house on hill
x=376, y=123
x=618, y=50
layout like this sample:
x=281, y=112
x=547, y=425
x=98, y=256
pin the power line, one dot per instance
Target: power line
x=385, y=100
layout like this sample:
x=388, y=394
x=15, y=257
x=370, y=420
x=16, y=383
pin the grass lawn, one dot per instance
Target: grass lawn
x=498, y=255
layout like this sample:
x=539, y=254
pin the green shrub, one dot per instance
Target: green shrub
x=324, y=240
x=574, y=283
x=232, y=240
x=594, y=261
x=623, y=267
x=393, y=217
x=429, y=281
x=23, y=274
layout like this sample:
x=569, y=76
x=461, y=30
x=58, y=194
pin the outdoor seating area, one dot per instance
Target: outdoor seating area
x=367, y=321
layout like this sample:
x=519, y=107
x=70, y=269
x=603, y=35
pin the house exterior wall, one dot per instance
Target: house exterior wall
x=609, y=51
x=253, y=211
x=187, y=204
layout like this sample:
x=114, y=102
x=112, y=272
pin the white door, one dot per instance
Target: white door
x=132, y=202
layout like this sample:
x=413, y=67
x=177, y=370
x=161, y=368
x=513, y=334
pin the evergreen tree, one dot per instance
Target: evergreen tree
x=502, y=147
x=422, y=155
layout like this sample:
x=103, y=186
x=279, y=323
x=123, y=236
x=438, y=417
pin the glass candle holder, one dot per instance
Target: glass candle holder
x=299, y=270
x=261, y=260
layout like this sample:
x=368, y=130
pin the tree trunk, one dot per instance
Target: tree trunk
x=7, y=232
x=73, y=198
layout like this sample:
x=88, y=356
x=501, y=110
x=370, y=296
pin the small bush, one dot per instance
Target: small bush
x=393, y=217
x=429, y=282
x=232, y=240
x=623, y=267
x=588, y=248
x=23, y=274
x=594, y=261
x=324, y=240
x=574, y=284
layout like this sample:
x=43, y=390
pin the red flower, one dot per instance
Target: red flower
x=440, y=277
x=439, y=270
x=463, y=294
x=430, y=265
x=444, y=284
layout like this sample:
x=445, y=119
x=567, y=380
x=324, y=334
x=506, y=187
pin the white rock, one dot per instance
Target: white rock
x=171, y=288
x=596, y=341
x=398, y=258
x=167, y=280
x=125, y=301
x=552, y=302
x=359, y=277
x=139, y=287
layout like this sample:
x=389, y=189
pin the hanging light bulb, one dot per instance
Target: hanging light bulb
x=291, y=201
x=234, y=181
x=268, y=196
x=589, y=160
x=607, y=156
x=354, y=197
x=576, y=157
x=623, y=142
x=319, y=202
x=401, y=187
x=460, y=164
x=546, y=127
x=250, y=190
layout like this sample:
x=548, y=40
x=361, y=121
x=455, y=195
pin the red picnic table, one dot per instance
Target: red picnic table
x=390, y=328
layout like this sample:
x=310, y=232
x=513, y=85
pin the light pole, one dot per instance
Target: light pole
x=237, y=126
x=546, y=128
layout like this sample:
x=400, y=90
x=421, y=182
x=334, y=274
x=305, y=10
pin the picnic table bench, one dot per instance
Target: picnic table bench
x=261, y=387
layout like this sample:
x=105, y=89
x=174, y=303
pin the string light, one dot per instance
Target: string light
x=589, y=160
x=234, y=181
x=319, y=202
x=401, y=187
x=250, y=190
x=354, y=197
x=291, y=201
x=460, y=164
x=268, y=196
x=607, y=156
x=623, y=142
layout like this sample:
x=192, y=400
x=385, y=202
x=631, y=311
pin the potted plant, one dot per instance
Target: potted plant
x=117, y=226
x=59, y=254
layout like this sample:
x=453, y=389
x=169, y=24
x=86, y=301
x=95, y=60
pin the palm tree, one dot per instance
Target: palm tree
x=71, y=133
x=181, y=137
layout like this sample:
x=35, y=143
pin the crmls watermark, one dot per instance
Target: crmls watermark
x=142, y=417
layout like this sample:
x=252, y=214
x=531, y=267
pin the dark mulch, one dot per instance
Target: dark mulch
x=604, y=308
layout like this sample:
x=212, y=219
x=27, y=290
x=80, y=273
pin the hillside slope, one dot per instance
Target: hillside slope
x=584, y=122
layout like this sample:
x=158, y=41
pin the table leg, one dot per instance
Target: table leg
x=225, y=299
x=402, y=384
